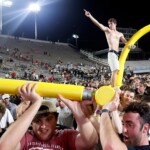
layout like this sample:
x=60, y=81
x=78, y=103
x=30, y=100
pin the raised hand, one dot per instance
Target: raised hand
x=87, y=13
x=78, y=108
x=113, y=105
x=27, y=91
x=132, y=46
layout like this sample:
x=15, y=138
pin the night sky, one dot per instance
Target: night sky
x=60, y=19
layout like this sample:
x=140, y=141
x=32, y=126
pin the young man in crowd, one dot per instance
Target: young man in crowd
x=136, y=125
x=42, y=116
x=11, y=106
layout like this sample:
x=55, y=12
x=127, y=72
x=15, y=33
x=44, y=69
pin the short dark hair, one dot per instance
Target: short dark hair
x=112, y=20
x=129, y=89
x=143, y=109
x=2, y=108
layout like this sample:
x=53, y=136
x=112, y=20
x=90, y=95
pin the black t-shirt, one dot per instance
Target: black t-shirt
x=145, y=147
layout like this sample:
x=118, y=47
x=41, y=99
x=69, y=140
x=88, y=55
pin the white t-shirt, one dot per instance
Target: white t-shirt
x=6, y=119
x=65, y=116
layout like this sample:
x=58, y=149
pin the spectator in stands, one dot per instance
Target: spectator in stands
x=13, y=75
x=5, y=118
x=136, y=125
x=11, y=106
x=135, y=82
x=2, y=112
x=65, y=115
x=34, y=76
x=41, y=78
x=142, y=88
x=43, y=118
x=7, y=76
x=51, y=78
x=113, y=37
x=25, y=74
x=126, y=97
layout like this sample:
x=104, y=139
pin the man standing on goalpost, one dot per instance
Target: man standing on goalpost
x=113, y=37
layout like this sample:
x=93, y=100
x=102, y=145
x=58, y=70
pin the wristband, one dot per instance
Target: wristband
x=98, y=112
x=105, y=110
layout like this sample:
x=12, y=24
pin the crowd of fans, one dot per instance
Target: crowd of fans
x=59, y=123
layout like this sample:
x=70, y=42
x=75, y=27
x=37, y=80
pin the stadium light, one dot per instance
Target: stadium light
x=34, y=7
x=76, y=38
x=5, y=3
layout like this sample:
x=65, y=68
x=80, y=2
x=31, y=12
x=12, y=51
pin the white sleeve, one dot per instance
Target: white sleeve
x=6, y=119
x=9, y=117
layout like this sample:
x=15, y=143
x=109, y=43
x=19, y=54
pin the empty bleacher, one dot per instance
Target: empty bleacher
x=50, y=52
x=54, y=51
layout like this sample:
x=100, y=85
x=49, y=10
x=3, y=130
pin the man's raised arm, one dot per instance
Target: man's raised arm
x=98, y=24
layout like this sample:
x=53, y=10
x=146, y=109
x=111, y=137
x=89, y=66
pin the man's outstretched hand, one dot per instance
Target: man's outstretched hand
x=132, y=46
